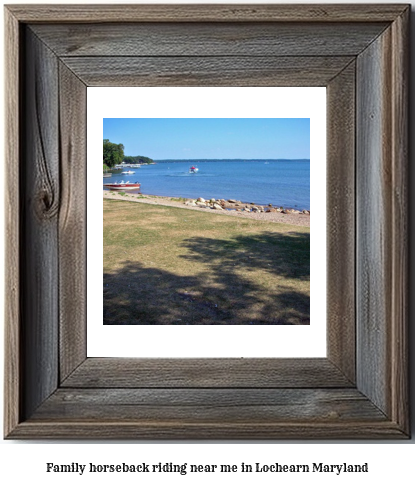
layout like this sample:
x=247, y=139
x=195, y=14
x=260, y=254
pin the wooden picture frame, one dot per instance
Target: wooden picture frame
x=360, y=53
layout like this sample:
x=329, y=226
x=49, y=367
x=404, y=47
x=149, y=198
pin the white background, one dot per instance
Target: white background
x=23, y=463
x=218, y=341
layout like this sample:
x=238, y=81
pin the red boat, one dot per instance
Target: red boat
x=122, y=186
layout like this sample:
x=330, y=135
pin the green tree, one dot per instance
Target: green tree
x=137, y=160
x=113, y=153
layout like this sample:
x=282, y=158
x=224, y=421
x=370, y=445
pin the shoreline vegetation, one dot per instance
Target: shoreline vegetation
x=113, y=154
x=230, y=207
x=170, y=263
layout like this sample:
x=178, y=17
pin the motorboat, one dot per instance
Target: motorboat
x=122, y=186
x=193, y=169
x=128, y=172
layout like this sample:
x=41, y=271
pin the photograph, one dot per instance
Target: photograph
x=206, y=221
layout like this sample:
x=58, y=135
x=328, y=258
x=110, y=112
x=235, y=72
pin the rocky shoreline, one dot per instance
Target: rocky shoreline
x=241, y=206
x=233, y=208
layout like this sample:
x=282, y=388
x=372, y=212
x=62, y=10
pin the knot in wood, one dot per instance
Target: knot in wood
x=46, y=204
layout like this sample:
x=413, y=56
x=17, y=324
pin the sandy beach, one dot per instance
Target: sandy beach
x=289, y=218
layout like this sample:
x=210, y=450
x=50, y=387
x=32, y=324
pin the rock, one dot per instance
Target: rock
x=285, y=211
x=295, y=211
x=255, y=209
x=200, y=199
x=191, y=203
x=232, y=201
x=216, y=206
x=306, y=212
x=271, y=210
x=246, y=209
x=261, y=209
x=270, y=205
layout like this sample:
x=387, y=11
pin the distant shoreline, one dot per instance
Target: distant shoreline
x=282, y=160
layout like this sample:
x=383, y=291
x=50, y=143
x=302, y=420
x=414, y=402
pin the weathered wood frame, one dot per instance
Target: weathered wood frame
x=359, y=52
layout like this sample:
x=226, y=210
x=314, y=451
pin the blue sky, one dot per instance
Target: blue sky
x=211, y=138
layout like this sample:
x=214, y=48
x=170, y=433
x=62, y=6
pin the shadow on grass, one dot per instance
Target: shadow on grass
x=286, y=255
x=225, y=291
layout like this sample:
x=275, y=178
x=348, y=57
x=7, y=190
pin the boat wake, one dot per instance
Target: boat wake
x=190, y=175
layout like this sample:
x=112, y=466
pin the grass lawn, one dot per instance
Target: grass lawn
x=167, y=265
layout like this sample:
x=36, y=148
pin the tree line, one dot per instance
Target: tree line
x=137, y=160
x=114, y=154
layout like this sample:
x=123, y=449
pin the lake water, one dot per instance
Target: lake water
x=283, y=183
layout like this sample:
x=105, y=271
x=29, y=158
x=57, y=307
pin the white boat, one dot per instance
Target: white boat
x=122, y=186
x=128, y=172
x=193, y=169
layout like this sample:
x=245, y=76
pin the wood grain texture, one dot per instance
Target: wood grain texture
x=207, y=71
x=374, y=221
x=400, y=263
x=341, y=236
x=207, y=399
x=72, y=222
x=206, y=13
x=198, y=39
x=40, y=176
x=209, y=405
x=382, y=223
x=13, y=380
x=150, y=430
x=206, y=373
